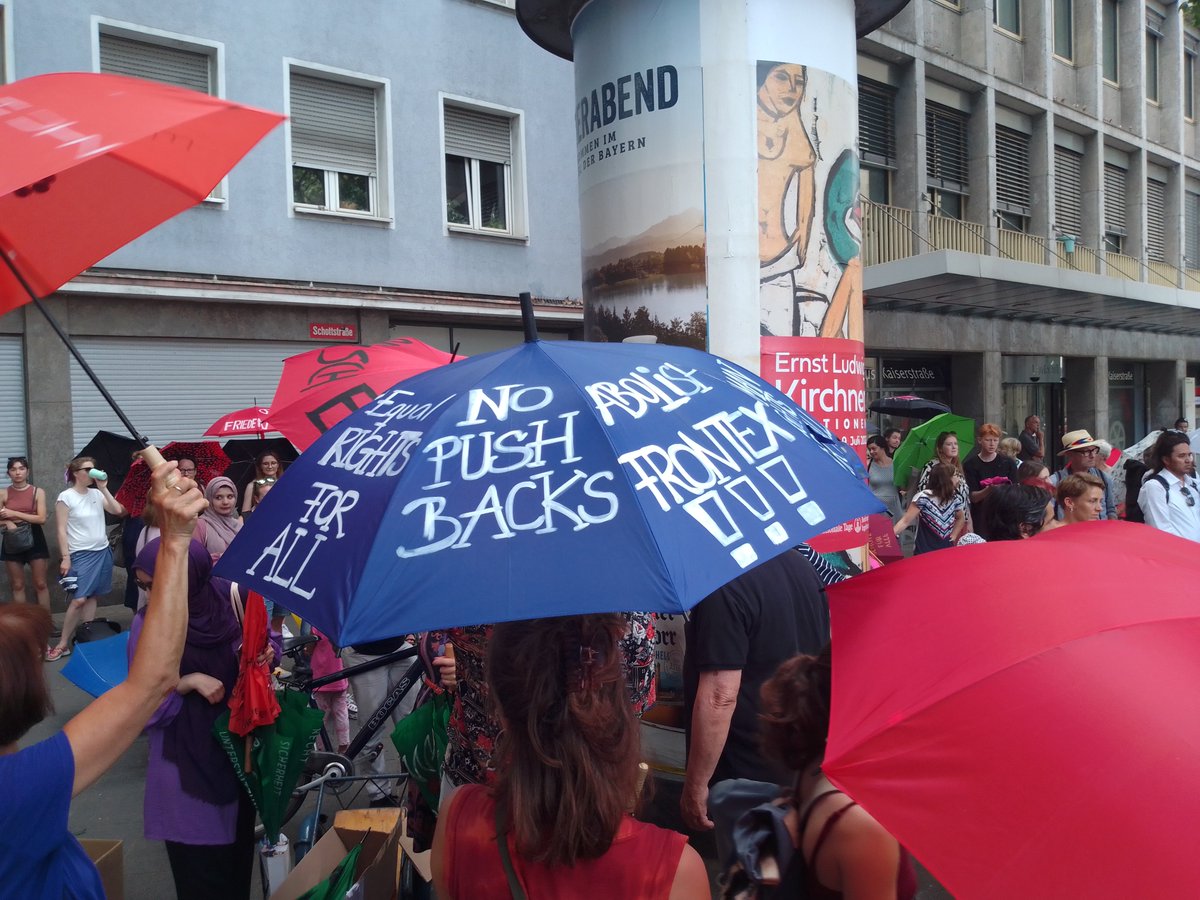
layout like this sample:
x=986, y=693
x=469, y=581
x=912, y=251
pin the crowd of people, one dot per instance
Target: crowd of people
x=540, y=790
x=1004, y=489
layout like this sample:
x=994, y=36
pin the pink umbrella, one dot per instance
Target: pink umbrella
x=251, y=420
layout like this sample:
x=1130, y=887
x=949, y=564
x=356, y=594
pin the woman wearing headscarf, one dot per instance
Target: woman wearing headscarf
x=193, y=799
x=221, y=519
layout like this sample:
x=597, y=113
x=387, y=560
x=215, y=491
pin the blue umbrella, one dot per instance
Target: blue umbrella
x=96, y=666
x=547, y=479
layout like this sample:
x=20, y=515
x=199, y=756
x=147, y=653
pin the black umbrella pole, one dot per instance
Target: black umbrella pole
x=527, y=318
x=142, y=439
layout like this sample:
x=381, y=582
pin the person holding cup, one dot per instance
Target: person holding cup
x=87, y=561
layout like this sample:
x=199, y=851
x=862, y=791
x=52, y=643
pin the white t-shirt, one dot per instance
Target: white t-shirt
x=85, y=522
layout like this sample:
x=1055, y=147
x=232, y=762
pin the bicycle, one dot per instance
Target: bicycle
x=326, y=768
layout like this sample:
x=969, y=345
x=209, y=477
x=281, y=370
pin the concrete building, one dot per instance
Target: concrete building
x=1032, y=211
x=394, y=201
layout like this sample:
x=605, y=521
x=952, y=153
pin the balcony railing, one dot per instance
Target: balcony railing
x=954, y=234
x=889, y=234
x=1023, y=247
x=1163, y=273
x=1122, y=266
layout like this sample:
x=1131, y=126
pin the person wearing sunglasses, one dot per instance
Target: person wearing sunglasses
x=1169, y=494
x=1082, y=455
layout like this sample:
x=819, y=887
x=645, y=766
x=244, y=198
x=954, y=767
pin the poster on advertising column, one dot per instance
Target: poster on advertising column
x=810, y=265
x=639, y=142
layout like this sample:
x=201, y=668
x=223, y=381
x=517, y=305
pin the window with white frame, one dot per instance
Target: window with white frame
x=157, y=57
x=1064, y=29
x=1006, y=14
x=482, y=171
x=1154, y=36
x=1108, y=39
x=336, y=144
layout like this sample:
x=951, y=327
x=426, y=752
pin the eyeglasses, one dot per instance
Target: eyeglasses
x=186, y=473
x=1187, y=495
x=1087, y=451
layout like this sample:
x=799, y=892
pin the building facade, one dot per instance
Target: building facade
x=394, y=201
x=1031, y=211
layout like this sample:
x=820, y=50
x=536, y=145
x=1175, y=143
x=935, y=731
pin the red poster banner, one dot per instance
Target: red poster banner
x=825, y=377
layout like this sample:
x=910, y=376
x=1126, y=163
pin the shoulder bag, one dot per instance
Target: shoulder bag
x=19, y=539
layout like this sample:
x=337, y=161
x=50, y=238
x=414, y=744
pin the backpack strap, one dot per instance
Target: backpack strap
x=1157, y=476
x=514, y=883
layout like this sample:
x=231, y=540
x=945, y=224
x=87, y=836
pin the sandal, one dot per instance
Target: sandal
x=56, y=653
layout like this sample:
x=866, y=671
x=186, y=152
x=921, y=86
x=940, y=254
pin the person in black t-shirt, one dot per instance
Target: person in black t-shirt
x=987, y=469
x=736, y=638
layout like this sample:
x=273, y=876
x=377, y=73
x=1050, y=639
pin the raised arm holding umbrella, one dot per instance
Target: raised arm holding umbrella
x=37, y=851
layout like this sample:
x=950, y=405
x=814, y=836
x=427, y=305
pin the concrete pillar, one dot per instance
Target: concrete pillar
x=1163, y=381
x=966, y=385
x=909, y=181
x=1086, y=382
x=48, y=398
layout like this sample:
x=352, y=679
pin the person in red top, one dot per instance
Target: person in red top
x=566, y=777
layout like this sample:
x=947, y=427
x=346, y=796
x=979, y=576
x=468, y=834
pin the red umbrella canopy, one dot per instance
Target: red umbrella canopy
x=252, y=420
x=321, y=387
x=253, y=701
x=210, y=461
x=92, y=161
x=1023, y=715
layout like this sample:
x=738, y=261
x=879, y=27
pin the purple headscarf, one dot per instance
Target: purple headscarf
x=221, y=529
x=213, y=638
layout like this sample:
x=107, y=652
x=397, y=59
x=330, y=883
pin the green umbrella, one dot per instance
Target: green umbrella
x=340, y=880
x=279, y=751
x=920, y=444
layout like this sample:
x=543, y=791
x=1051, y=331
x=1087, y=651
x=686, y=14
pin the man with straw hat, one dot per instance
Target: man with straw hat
x=1081, y=453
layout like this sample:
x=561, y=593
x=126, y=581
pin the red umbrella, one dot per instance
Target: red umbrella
x=1024, y=716
x=321, y=387
x=251, y=420
x=91, y=162
x=253, y=701
x=210, y=461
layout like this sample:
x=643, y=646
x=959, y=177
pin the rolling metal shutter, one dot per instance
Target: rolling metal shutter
x=1156, y=219
x=1012, y=170
x=1114, y=199
x=156, y=62
x=478, y=135
x=333, y=125
x=173, y=389
x=876, y=123
x=1191, y=216
x=1068, y=188
x=946, y=147
x=13, y=441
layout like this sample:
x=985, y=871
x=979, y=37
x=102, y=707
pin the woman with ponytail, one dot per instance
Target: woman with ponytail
x=566, y=779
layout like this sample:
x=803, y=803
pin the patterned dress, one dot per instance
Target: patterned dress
x=936, y=521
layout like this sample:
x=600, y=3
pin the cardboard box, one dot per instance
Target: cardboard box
x=109, y=857
x=378, y=869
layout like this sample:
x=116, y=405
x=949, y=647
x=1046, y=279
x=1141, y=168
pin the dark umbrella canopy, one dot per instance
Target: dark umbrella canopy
x=243, y=451
x=114, y=453
x=910, y=407
x=210, y=461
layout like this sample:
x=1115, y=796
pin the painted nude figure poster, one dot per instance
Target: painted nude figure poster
x=809, y=240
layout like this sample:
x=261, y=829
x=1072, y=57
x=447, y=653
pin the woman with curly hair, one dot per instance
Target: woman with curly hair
x=839, y=850
x=556, y=822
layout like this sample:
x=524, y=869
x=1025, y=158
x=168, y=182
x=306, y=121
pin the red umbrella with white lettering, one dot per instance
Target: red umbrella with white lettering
x=321, y=387
x=251, y=420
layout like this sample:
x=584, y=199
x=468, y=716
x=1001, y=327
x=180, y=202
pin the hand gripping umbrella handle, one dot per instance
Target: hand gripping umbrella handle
x=154, y=457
